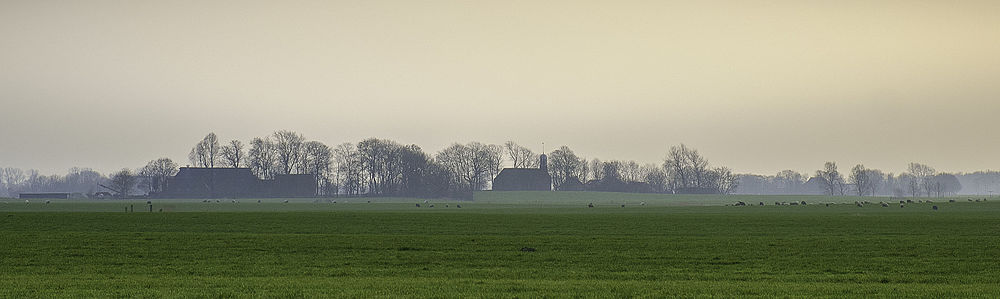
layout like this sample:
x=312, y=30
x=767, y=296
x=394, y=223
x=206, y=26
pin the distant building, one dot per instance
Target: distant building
x=194, y=182
x=46, y=195
x=525, y=179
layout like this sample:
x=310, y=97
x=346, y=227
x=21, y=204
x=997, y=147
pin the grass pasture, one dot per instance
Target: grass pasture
x=687, y=246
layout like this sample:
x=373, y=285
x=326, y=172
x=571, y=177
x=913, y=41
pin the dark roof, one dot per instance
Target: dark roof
x=522, y=179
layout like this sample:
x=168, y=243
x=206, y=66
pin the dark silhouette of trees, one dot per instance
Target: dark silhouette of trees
x=206, y=152
x=520, y=157
x=829, y=176
x=233, y=154
x=155, y=174
x=123, y=181
x=563, y=165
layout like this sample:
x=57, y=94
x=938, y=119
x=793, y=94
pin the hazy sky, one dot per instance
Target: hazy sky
x=758, y=86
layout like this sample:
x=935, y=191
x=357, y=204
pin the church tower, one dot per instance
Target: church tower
x=543, y=163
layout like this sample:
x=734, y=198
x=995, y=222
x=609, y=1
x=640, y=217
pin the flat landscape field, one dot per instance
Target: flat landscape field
x=502, y=244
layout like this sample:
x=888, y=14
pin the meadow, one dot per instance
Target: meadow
x=502, y=244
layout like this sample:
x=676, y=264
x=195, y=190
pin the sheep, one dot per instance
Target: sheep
x=445, y=205
x=934, y=207
x=432, y=205
x=970, y=200
x=827, y=205
x=48, y=201
x=286, y=201
x=590, y=205
x=149, y=202
x=909, y=201
x=425, y=201
x=901, y=205
x=762, y=203
x=794, y=203
x=642, y=203
x=458, y=206
x=885, y=205
x=977, y=200
x=951, y=200
x=258, y=201
x=369, y=201
x=418, y=205
x=803, y=203
x=623, y=206
x=859, y=204
x=25, y=201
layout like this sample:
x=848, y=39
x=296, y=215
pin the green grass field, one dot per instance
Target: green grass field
x=688, y=246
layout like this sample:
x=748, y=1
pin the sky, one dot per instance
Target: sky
x=757, y=86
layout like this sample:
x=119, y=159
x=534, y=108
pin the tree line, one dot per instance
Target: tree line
x=383, y=167
x=918, y=180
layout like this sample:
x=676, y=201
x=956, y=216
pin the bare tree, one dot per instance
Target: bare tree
x=596, y=169
x=520, y=157
x=859, y=177
x=261, y=158
x=317, y=160
x=123, y=181
x=206, y=152
x=234, y=154
x=12, y=177
x=156, y=173
x=563, y=165
x=349, y=171
x=876, y=179
x=832, y=181
x=288, y=150
x=923, y=175
x=726, y=182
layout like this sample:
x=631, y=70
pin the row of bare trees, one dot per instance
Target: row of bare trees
x=918, y=180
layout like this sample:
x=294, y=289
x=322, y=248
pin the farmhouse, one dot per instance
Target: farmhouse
x=525, y=179
x=195, y=182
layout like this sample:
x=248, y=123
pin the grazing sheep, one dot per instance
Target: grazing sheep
x=909, y=201
x=740, y=204
x=334, y=201
x=762, y=203
x=590, y=205
x=794, y=203
x=970, y=200
x=258, y=201
x=418, y=205
x=802, y=202
x=827, y=205
x=642, y=203
x=425, y=201
x=25, y=201
x=458, y=206
x=286, y=201
x=369, y=201
x=445, y=205
x=859, y=204
x=623, y=206
x=902, y=201
x=48, y=201
x=432, y=205
x=777, y=203
x=885, y=205
x=951, y=200
x=934, y=207
x=901, y=205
